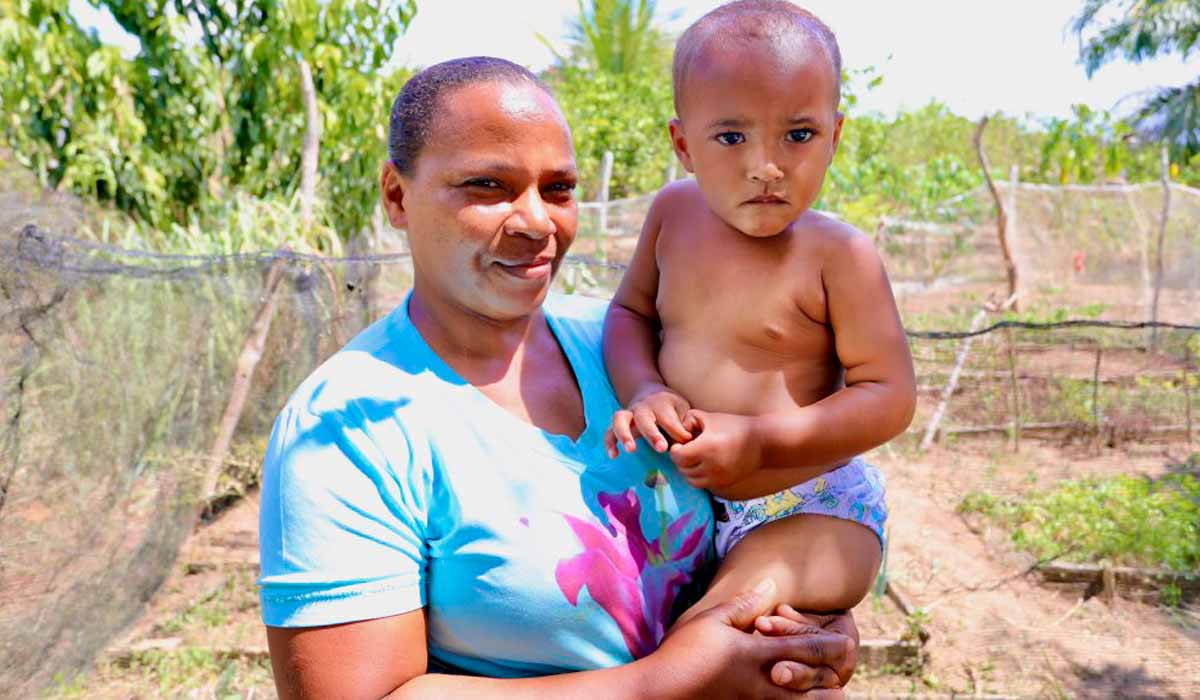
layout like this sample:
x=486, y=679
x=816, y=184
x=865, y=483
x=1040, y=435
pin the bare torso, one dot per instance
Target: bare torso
x=745, y=326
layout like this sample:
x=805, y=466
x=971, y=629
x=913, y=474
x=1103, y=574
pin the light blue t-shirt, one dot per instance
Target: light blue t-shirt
x=390, y=483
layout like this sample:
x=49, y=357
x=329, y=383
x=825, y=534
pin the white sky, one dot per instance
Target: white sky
x=975, y=55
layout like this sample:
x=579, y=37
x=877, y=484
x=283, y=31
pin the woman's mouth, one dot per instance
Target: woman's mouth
x=537, y=268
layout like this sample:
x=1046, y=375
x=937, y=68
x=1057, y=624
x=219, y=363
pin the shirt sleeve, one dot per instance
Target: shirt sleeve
x=343, y=517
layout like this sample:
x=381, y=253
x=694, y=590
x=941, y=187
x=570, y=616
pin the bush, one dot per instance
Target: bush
x=1127, y=520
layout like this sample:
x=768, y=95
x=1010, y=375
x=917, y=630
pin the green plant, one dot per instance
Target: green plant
x=1120, y=520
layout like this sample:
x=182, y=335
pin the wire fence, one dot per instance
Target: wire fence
x=117, y=369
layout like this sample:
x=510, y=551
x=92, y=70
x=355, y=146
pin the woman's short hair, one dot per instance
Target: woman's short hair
x=415, y=106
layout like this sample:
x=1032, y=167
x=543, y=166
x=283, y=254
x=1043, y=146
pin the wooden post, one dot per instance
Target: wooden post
x=606, y=167
x=1015, y=390
x=1187, y=405
x=1010, y=267
x=1162, y=234
x=312, y=145
x=1096, y=400
x=248, y=359
x=952, y=383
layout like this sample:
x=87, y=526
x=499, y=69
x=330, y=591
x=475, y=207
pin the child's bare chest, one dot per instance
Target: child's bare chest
x=758, y=293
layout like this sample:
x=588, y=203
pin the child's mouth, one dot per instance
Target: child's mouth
x=767, y=199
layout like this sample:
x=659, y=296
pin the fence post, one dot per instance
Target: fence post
x=1162, y=234
x=239, y=390
x=1015, y=390
x=952, y=382
x=1096, y=400
x=606, y=166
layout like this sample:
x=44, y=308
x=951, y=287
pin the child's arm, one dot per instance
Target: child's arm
x=631, y=344
x=876, y=404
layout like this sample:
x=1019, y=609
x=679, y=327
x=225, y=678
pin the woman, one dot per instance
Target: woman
x=437, y=496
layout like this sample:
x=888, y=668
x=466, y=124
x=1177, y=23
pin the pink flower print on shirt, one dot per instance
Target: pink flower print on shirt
x=633, y=579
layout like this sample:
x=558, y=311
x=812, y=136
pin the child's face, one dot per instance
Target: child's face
x=759, y=130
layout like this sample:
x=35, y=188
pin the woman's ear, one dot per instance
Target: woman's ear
x=391, y=189
x=679, y=141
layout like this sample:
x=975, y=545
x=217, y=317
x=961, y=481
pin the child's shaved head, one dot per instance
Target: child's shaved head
x=784, y=26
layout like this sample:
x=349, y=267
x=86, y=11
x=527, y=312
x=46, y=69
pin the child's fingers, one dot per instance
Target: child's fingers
x=610, y=443
x=778, y=626
x=647, y=425
x=686, y=456
x=623, y=431
x=671, y=423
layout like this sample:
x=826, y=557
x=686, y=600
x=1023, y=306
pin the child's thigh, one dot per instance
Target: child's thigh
x=819, y=563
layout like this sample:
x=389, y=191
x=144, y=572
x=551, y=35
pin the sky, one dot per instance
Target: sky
x=977, y=56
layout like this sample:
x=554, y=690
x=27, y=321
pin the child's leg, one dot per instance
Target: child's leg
x=819, y=564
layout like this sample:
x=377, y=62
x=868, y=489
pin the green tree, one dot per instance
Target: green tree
x=1139, y=30
x=614, y=85
x=185, y=127
x=617, y=37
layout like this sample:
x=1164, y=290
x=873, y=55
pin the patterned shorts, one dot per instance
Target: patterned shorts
x=853, y=491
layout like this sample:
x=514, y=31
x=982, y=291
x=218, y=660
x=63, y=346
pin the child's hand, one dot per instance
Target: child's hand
x=723, y=452
x=651, y=409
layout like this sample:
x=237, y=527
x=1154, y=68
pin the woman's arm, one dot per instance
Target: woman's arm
x=711, y=655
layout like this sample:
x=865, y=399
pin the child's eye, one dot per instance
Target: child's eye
x=731, y=138
x=800, y=135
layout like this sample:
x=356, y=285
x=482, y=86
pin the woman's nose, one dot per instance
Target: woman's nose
x=530, y=217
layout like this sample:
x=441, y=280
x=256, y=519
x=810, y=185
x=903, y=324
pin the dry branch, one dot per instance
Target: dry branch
x=251, y=353
x=1002, y=216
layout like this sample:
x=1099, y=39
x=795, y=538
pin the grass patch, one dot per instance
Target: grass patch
x=1121, y=520
x=170, y=674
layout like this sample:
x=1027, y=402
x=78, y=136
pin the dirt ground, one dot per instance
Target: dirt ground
x=994, y=630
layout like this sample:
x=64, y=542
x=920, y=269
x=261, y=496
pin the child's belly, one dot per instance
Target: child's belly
x=722, y=375
x=727, y=376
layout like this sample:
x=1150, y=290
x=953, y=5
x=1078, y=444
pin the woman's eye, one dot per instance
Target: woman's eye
x=800, y=135
x=484, y=183
x=731, y=138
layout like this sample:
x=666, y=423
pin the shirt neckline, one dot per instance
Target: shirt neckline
x=510, y=426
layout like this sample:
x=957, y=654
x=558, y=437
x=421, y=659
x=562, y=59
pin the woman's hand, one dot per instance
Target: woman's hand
x=715, y=655
x=654, y=407
x=725, y=449
x=788, y=621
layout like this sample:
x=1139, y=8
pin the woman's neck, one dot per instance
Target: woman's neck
x=479, y=348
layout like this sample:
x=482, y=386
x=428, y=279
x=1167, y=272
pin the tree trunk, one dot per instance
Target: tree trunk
x=312, y=145
x=1010, y=267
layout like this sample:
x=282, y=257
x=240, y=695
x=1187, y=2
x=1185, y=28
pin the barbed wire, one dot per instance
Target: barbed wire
x=1051, y=325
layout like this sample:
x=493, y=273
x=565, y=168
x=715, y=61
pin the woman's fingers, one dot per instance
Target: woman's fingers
x=824, y=649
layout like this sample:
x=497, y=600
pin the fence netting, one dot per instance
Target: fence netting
x=116, y=370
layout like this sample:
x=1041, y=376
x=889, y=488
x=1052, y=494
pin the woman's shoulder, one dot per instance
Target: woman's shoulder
x=382, y=363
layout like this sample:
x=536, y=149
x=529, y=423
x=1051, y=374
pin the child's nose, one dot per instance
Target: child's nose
x=766, y=173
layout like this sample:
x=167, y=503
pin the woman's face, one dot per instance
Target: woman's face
x=489, y=205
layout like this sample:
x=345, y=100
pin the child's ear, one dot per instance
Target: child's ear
x=391, y=189
x=837, y=130
x=679, y=141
